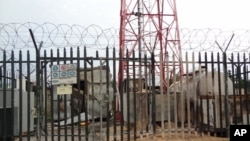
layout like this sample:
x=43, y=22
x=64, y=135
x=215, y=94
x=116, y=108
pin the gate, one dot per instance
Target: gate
x=73, y=95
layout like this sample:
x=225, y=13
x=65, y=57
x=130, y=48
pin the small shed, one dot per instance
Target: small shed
x=99, y=93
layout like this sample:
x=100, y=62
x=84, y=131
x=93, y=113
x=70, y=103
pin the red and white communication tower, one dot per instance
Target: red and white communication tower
x=148, y=26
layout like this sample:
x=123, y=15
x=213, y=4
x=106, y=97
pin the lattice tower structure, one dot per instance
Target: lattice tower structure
x=149, y=27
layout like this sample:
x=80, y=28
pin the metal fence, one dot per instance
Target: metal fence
x=75, y=96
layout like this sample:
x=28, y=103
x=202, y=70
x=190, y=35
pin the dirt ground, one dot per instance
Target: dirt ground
x=175, y=136
x=180, y=138
x=205, y=138
x=196, y=139
x=158, y=137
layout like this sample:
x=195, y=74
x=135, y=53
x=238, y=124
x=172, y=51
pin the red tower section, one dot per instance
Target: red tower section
x=150, y=26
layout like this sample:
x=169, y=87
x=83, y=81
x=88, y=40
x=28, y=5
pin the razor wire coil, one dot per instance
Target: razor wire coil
x=16, y=36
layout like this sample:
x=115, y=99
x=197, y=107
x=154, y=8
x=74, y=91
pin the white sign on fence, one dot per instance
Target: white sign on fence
x=63, y=74
x=64, y=89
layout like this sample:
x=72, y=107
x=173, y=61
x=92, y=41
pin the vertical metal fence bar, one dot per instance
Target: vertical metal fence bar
x=153, y=96
x=121, y=87
x=187, y=95
x=78, y=92
x=208, y=98
x=234, y=90
x=247, y=91
x=59, y=100
x=147, y=99
x=9, y=80
x=86, y=95
x=93, y=102
x=45, y=83
x=52, y=102
x=71, y=101
x=2, y=77
x=175, y=102
x=245, y=86
x=39, y=93
x=41, y=105
x=128, y=93
x=234, y=87
x=134, y=96
x=38, y=88
x=101, y=100
x=238, y=73
x=195, y=97
x=140, y=121
x=4, y=86
x=115, y=93
x=161, y=93
x=200, y=112
x=107, y=87
x=12, y=92
x=168, y=98
x=65, y=101
x=28, y=97
x=226, y=94
x=213, y=94
x=149, y=94
x=199, y=103
x=181, y=97
x=220, y=99
x=20, y=96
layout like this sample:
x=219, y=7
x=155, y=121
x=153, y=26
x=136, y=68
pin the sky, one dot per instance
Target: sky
x=81, y=12
x=226, y=14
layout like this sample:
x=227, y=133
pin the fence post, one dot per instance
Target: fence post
x=226, y=92
x=38, y=87
x=226, y=83
x=153, y=95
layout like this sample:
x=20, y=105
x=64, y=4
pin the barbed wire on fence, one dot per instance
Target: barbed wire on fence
x=16, y=36
x=205, y=39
